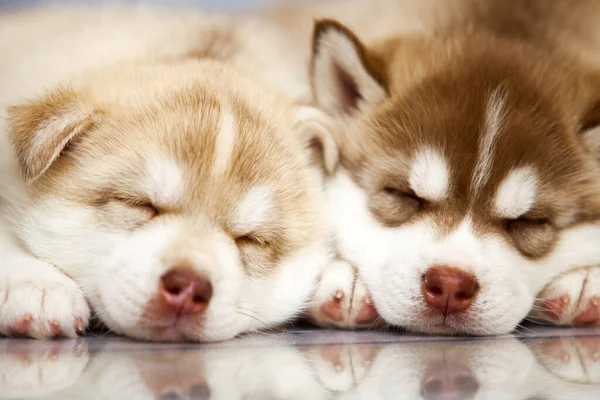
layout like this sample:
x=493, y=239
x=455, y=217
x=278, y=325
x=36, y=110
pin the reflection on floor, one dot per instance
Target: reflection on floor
x=309, y=364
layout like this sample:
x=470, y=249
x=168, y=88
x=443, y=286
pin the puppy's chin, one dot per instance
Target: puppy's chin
x=480, y=327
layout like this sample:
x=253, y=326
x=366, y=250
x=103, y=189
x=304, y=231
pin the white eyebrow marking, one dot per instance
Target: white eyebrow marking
x=516, y=194
x=253, y=209
x=225, y=141
x=429, y=176
x=493, y=124
x=164, y=182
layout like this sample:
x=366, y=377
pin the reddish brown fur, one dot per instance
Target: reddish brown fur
x=439, y=88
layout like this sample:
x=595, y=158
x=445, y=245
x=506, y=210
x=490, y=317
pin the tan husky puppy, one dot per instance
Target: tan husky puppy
x=148, y=173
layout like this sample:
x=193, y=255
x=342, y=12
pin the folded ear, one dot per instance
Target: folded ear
x=42, y=129
x=315, y=130
x=347, y=79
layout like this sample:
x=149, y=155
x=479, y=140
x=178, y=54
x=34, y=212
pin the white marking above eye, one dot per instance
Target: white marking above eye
x=429, y=176
x=516, y=193
x=164, y=182
x=254, y=209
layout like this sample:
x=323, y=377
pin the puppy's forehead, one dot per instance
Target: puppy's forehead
x=476, y=130
x=227, y=151
x=477, y=141
x=189, y=149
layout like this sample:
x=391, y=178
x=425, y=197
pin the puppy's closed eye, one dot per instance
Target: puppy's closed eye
x=126, y=212
x=256, y=252
x=533, y=237
x=251, y=239
x=394, y=207
x=139, y=204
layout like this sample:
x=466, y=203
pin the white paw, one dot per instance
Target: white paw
x=571, y=299
x=41, y=303
x=34, y=369
x=342, y=300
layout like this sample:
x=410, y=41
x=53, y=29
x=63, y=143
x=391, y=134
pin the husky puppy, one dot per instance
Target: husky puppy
x=148, y=174
x=469, y=179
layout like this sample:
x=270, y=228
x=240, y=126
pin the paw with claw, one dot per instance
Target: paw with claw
x=571, y=299
x=41, y=303
x=342, y=300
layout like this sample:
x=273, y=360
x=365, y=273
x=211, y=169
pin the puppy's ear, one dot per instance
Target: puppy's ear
x=347, y=79
x=315, y=131
x=42, y=129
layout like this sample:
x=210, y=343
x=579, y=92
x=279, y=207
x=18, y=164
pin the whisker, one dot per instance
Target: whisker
x=256, y=318
x=540, y=321
x=523, y=328
x=374, y=323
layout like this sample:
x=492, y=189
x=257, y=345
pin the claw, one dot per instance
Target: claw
x=590, y=315
x=54, y=327
x=79, y=327
x=367, y=313
x=338, y=295
x=332, y=309
x=22, y=327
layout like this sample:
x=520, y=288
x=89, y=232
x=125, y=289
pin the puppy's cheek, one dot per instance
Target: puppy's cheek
x=284, y=293
x=499, y=309
x=225, y=316
x=360, y=239
x=504, y=297
x=127, y=279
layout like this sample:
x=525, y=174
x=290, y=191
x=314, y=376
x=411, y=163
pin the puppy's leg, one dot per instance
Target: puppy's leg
x=342, y=300
x=572, y=299
x=36, y=299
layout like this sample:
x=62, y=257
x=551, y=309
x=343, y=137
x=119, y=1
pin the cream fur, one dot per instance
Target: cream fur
x=160, y=108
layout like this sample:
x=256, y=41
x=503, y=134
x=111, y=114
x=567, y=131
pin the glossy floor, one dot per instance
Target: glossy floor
x=308, y=364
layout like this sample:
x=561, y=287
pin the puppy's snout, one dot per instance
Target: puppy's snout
x=449, y=289
x=186, y=290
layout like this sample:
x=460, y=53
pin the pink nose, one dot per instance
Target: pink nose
x=186, y=291
x=449, y=289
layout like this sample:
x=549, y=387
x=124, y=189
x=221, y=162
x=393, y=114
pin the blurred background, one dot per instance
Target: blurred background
x=207, y=4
